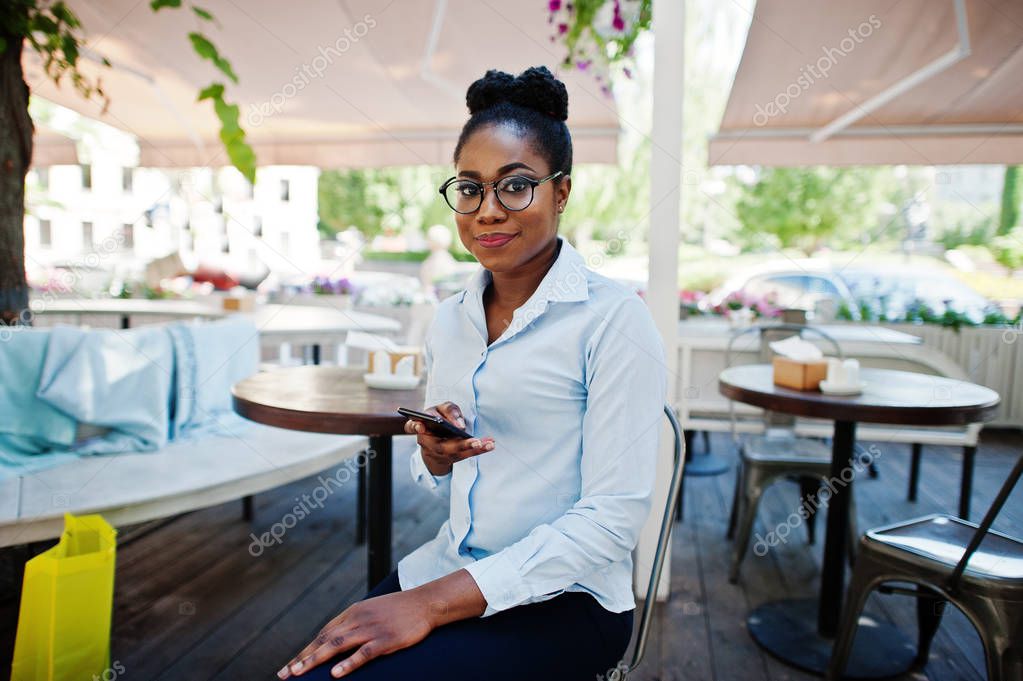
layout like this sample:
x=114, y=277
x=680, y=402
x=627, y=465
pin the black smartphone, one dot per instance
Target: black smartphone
x=435, y=424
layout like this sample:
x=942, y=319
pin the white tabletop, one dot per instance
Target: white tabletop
x=127, y=306
x=295, y=320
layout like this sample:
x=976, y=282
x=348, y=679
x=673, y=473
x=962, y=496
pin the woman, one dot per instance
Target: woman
x=559, y=373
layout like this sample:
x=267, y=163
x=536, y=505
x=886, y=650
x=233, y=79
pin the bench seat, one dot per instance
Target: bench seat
x=183, y=476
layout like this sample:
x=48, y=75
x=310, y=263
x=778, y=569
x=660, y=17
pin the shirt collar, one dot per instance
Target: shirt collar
x=565, y=281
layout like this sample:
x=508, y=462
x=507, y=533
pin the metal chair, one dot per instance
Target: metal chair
x=942, y=555
x=776, y=454
x=623, y=668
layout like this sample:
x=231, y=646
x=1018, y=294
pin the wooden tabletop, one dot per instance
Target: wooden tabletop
x=324, y=399
x=895, y=397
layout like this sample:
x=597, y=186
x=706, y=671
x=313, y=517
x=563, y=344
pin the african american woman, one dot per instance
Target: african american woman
x=558, y=373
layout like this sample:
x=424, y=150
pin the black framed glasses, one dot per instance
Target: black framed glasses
x=514, y=192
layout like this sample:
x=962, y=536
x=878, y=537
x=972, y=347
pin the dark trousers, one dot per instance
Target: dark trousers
x=570, y=637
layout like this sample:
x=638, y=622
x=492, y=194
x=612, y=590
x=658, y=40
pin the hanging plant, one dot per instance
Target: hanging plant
x=599, y=33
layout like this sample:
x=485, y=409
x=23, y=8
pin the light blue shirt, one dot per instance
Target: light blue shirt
x=573, y=394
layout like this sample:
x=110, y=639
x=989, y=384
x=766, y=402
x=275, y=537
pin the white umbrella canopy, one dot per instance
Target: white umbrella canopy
x=353, y=83
x=917, y=82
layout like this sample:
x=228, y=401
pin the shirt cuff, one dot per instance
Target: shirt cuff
x=499, y=582
x=422, y=476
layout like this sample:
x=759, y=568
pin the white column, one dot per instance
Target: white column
x=665, y=215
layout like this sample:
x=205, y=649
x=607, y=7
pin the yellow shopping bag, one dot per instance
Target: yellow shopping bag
x=66, y=599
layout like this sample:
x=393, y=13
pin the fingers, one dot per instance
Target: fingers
x=354, y=661
x=456, y=450
x=451, y=412
x=329, y=642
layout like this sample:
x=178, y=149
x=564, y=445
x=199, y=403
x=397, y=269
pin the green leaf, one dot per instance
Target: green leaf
x=61, y=11
x=157, y=5
x=207, y=50
x=44, y=24
x=213, y=91
x=3, y=45
x=231, y=134
x=201, y=13
x=70, y=47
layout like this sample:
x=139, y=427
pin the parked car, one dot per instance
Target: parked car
x=896, y=291
x=801, y=284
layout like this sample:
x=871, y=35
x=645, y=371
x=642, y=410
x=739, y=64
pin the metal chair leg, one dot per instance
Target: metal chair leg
x=966, y=483
x=929, y=608
x=863, y=582
x=808, y=488
x=360, y=511
x=747, y=516
x=914, y=471
x=733, y=516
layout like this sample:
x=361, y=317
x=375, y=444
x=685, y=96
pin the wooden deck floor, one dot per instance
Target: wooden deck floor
x=192, y=602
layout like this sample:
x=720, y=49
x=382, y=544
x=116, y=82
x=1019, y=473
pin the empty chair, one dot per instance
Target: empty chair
x=949, y=560
x=777, y=454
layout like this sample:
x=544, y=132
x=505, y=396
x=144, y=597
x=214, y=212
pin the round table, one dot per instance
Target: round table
x=801, y=633
x=327, y=399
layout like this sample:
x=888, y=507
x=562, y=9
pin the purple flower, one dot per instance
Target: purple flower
x=628, y=72
x=562, y=29
x=617, y=22
x=554, y=5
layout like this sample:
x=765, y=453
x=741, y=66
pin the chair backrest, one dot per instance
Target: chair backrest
x=985, y=524
x=621, y=672
x=764, y=334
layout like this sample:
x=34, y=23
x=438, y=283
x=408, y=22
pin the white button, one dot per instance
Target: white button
x=467, y=518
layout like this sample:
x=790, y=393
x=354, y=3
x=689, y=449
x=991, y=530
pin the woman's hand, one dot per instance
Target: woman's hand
x=440, y=453
x=376, y=626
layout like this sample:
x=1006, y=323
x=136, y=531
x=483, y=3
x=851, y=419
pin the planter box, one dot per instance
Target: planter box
x=990, y=356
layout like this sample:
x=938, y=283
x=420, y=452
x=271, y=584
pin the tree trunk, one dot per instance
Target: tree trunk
x=15, y=154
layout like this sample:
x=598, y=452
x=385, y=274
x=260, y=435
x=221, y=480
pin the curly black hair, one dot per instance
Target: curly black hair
x=534, y=104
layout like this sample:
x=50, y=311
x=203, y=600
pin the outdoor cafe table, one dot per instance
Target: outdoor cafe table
x=336, y=400
x=801, y=632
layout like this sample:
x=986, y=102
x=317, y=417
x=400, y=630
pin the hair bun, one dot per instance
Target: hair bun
x=535, y=88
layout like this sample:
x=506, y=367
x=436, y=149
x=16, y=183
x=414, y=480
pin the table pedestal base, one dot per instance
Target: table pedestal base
x=788, y=630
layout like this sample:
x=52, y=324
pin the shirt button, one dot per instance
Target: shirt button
x=467, y=518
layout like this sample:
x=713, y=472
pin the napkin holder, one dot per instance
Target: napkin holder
x=799, y=374
x=798, y=364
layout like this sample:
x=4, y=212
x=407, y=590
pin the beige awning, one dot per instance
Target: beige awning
x=323, y=82
x=51, y=148
x=919, y=82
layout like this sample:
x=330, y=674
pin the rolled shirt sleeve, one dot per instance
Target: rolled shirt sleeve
x=626, y=384
x=439, y=485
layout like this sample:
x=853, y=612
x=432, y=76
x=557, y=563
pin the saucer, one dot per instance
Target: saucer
x=390, y=381
x=829, y=389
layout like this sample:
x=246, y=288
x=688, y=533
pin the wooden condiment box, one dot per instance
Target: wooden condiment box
x=789, y=373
